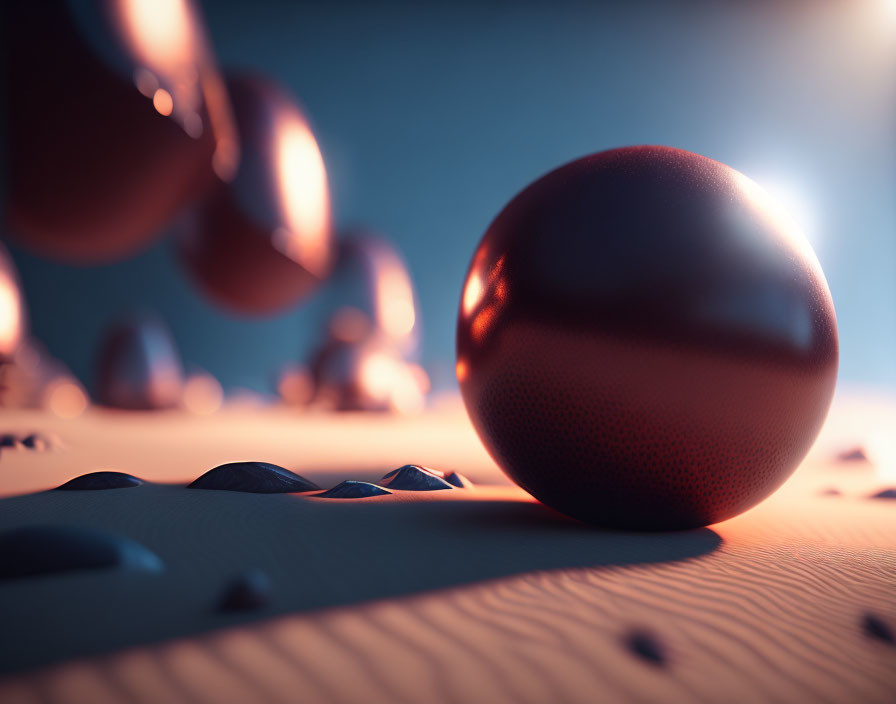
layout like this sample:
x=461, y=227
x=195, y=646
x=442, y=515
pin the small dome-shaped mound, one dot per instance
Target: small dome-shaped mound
x=253, y=478
x=350, y=489
x=412, y=477
x=54, y=549
x=459, y=480
x=100, y=480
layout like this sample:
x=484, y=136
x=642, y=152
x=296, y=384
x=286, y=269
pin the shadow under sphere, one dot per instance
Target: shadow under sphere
x=645, y=341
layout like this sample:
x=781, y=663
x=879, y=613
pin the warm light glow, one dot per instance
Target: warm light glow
x=388, y=379
x=202, y=394
x=473, y=293
x=10, y=315
x=304, y=196
x=295, y=386
x=65, y=398
x=461, y=369
x=786, y=210
x=161, y=33
x=395, y=298
x=162, y=102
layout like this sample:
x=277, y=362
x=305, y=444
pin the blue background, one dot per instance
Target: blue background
x=432, y=115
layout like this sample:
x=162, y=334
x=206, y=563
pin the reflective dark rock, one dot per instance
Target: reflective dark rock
x=253, y=478
x=459, y=480
x=645, y=341
x=263, y=241
x=645, y=646
x=885, y=494
x=874, y=627
x=248, y=591
x=350, y=489
x=853, y=454
x=12, y=310
x=116, y=118
x=54, y=549
x=412, y=477
x=100, y=480
x=138, y=367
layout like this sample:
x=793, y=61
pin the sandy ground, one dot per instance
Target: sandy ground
x=461, y=596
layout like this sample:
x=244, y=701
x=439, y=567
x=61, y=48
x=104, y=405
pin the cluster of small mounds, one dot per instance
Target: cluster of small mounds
x=410, y=477
x=30, y=441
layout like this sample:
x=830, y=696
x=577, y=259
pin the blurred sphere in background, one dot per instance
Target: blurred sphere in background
x=119, y=120
x=263, y=241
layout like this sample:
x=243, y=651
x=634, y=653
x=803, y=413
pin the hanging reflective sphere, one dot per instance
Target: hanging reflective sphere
x=116, y=118
x=645, y=340
x=263, y=241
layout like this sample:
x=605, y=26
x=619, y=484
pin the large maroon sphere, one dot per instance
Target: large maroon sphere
x=262, y=242
x=116, y=118
x=645, y=341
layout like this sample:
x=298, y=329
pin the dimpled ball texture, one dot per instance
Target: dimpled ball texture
x=646, y=341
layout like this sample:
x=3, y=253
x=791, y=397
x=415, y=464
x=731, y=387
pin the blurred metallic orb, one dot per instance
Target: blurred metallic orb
x=116, y=118
x=138, y=367
x=645, y=341
x=263, y=241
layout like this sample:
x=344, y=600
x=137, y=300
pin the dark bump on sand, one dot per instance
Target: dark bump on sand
x=853, y=454
x=458, y=480
x=412, y=477
x=876, y=628
x=645, y=646
x=35, y=441
x=8, y=440
x=350, y=489
x=885, y=494
x=54, y=549
x=248, y=591
x=253, y=478
x=100, y=480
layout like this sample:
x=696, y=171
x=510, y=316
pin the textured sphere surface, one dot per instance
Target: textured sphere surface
x=645, y=341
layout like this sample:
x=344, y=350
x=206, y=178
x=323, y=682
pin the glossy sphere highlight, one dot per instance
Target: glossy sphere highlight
x=262, y=242
x=645, y=341
x=12, y=313
x=116, y=119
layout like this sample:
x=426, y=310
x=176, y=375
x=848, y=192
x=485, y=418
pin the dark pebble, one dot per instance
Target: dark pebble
x=353, y=490
x=414, y=478
x=8, y=440
x=53, y=549
x=253, y=478
x=248, y=591
x=875, y=628
x=100, y=480
x=647, y=647
x=854, y=454
x=458, y=480
x=885, y=494
x=34, y=441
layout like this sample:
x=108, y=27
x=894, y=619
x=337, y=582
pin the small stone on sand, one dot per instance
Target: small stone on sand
x=100, y=480
x=34, y=441
x=853, y=454
x=8, y=440
x=889, y=493
x=253, y=478
x=647, y=647
x=458, y=480
x=350, y=489
x=248, y=591
x=54, y=549
x=412, y=477
x=876, y=628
